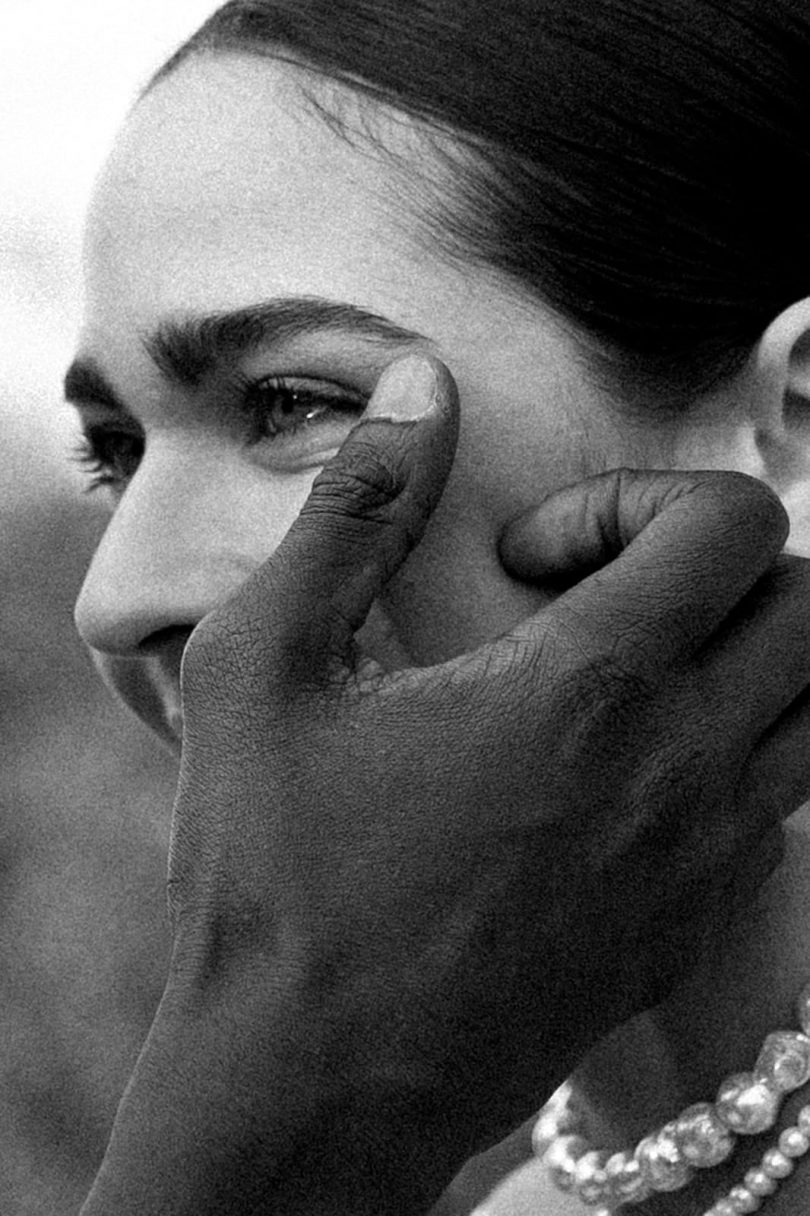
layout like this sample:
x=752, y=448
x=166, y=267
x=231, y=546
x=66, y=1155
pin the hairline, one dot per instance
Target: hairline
x=330, y=93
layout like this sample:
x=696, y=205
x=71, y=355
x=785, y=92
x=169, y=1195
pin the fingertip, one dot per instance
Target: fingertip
x=758, y=503
x=564, y=536
x=575, y=530
x=416, y=387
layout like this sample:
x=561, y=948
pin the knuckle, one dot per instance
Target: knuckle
x=360, y=488
x=602, y=663
x=619, y=681
x=726, y=492
x=682, y=772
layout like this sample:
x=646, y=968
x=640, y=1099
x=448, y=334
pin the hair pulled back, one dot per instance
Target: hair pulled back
x=640, y=165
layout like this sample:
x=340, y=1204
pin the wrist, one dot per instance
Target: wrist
x=285, y=1122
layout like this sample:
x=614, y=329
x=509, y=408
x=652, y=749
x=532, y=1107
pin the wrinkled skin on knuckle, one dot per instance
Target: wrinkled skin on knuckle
x=719, y=495
x=678, y=781
x=612, y=738
x=604, y=656
x=362, y=491
x=530, y=660
x=533, y=712
x=612, y=687
x=500, y=696
x=733, y=496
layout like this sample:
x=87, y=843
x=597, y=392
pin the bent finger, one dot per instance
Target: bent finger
x=367, y=509
x=756, y=667
x=776, y=779
x=672, y=553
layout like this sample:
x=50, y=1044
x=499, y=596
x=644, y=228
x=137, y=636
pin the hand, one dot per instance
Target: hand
x=405, y=905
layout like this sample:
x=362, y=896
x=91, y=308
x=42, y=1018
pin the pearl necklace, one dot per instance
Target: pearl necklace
x=702, y=1136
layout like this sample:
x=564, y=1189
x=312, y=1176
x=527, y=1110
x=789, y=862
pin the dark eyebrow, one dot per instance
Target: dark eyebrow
x=186, y=349
x=84, y=382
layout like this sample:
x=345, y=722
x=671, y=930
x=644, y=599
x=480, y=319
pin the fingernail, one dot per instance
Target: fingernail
x=406, y=391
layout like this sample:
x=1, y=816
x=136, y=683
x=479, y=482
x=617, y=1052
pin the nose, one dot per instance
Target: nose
x=190, y=528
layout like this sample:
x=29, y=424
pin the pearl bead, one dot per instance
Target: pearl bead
x=562, y=1175
x=593, y=1195
x=560, y=1112
x=561, y=1159
x=629, y=1184
x=590, y=1164
x=776, y=1164
x=702, y=1138
x=747, y=1106
x=784, y=1061
x=661, y=1162
x=793, y=1142
x=545, y=1132
x=723, y=1207
x=743, y=1200
x=760, y=1183
x=572, y=1147
x=618, y=1165
x=590, y=1180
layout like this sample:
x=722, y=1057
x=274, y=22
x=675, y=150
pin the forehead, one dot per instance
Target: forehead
x=224, y=184
x=225, y=189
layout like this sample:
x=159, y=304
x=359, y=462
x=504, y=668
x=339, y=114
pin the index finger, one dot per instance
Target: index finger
x=673, y=553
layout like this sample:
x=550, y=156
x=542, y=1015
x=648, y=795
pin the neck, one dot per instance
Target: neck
x=744, y=988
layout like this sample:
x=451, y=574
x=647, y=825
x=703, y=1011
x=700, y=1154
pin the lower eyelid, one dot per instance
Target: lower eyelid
x=111, y=455
x=304, y=448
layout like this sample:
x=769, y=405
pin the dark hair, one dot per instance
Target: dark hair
x=640, y=165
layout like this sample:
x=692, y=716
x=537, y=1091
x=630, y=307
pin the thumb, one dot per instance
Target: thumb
x=367, y=509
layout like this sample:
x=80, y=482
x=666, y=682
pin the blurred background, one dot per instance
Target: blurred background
x=85, y=796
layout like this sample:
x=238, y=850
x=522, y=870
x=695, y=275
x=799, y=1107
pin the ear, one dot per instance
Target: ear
x=779, y=401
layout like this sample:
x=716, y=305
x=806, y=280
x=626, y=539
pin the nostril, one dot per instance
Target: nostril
x=172, y=637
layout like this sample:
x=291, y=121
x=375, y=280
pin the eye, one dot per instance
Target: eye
x=110, y=456
x=300, y=419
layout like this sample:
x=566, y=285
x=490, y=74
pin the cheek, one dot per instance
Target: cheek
x=453, y=594
x=447, y=602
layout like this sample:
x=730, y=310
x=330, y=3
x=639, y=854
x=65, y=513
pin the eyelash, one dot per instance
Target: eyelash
x=320, y=395
x=99, y=452
x=111, y=456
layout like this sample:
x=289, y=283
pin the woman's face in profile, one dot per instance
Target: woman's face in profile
x=250, y=274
